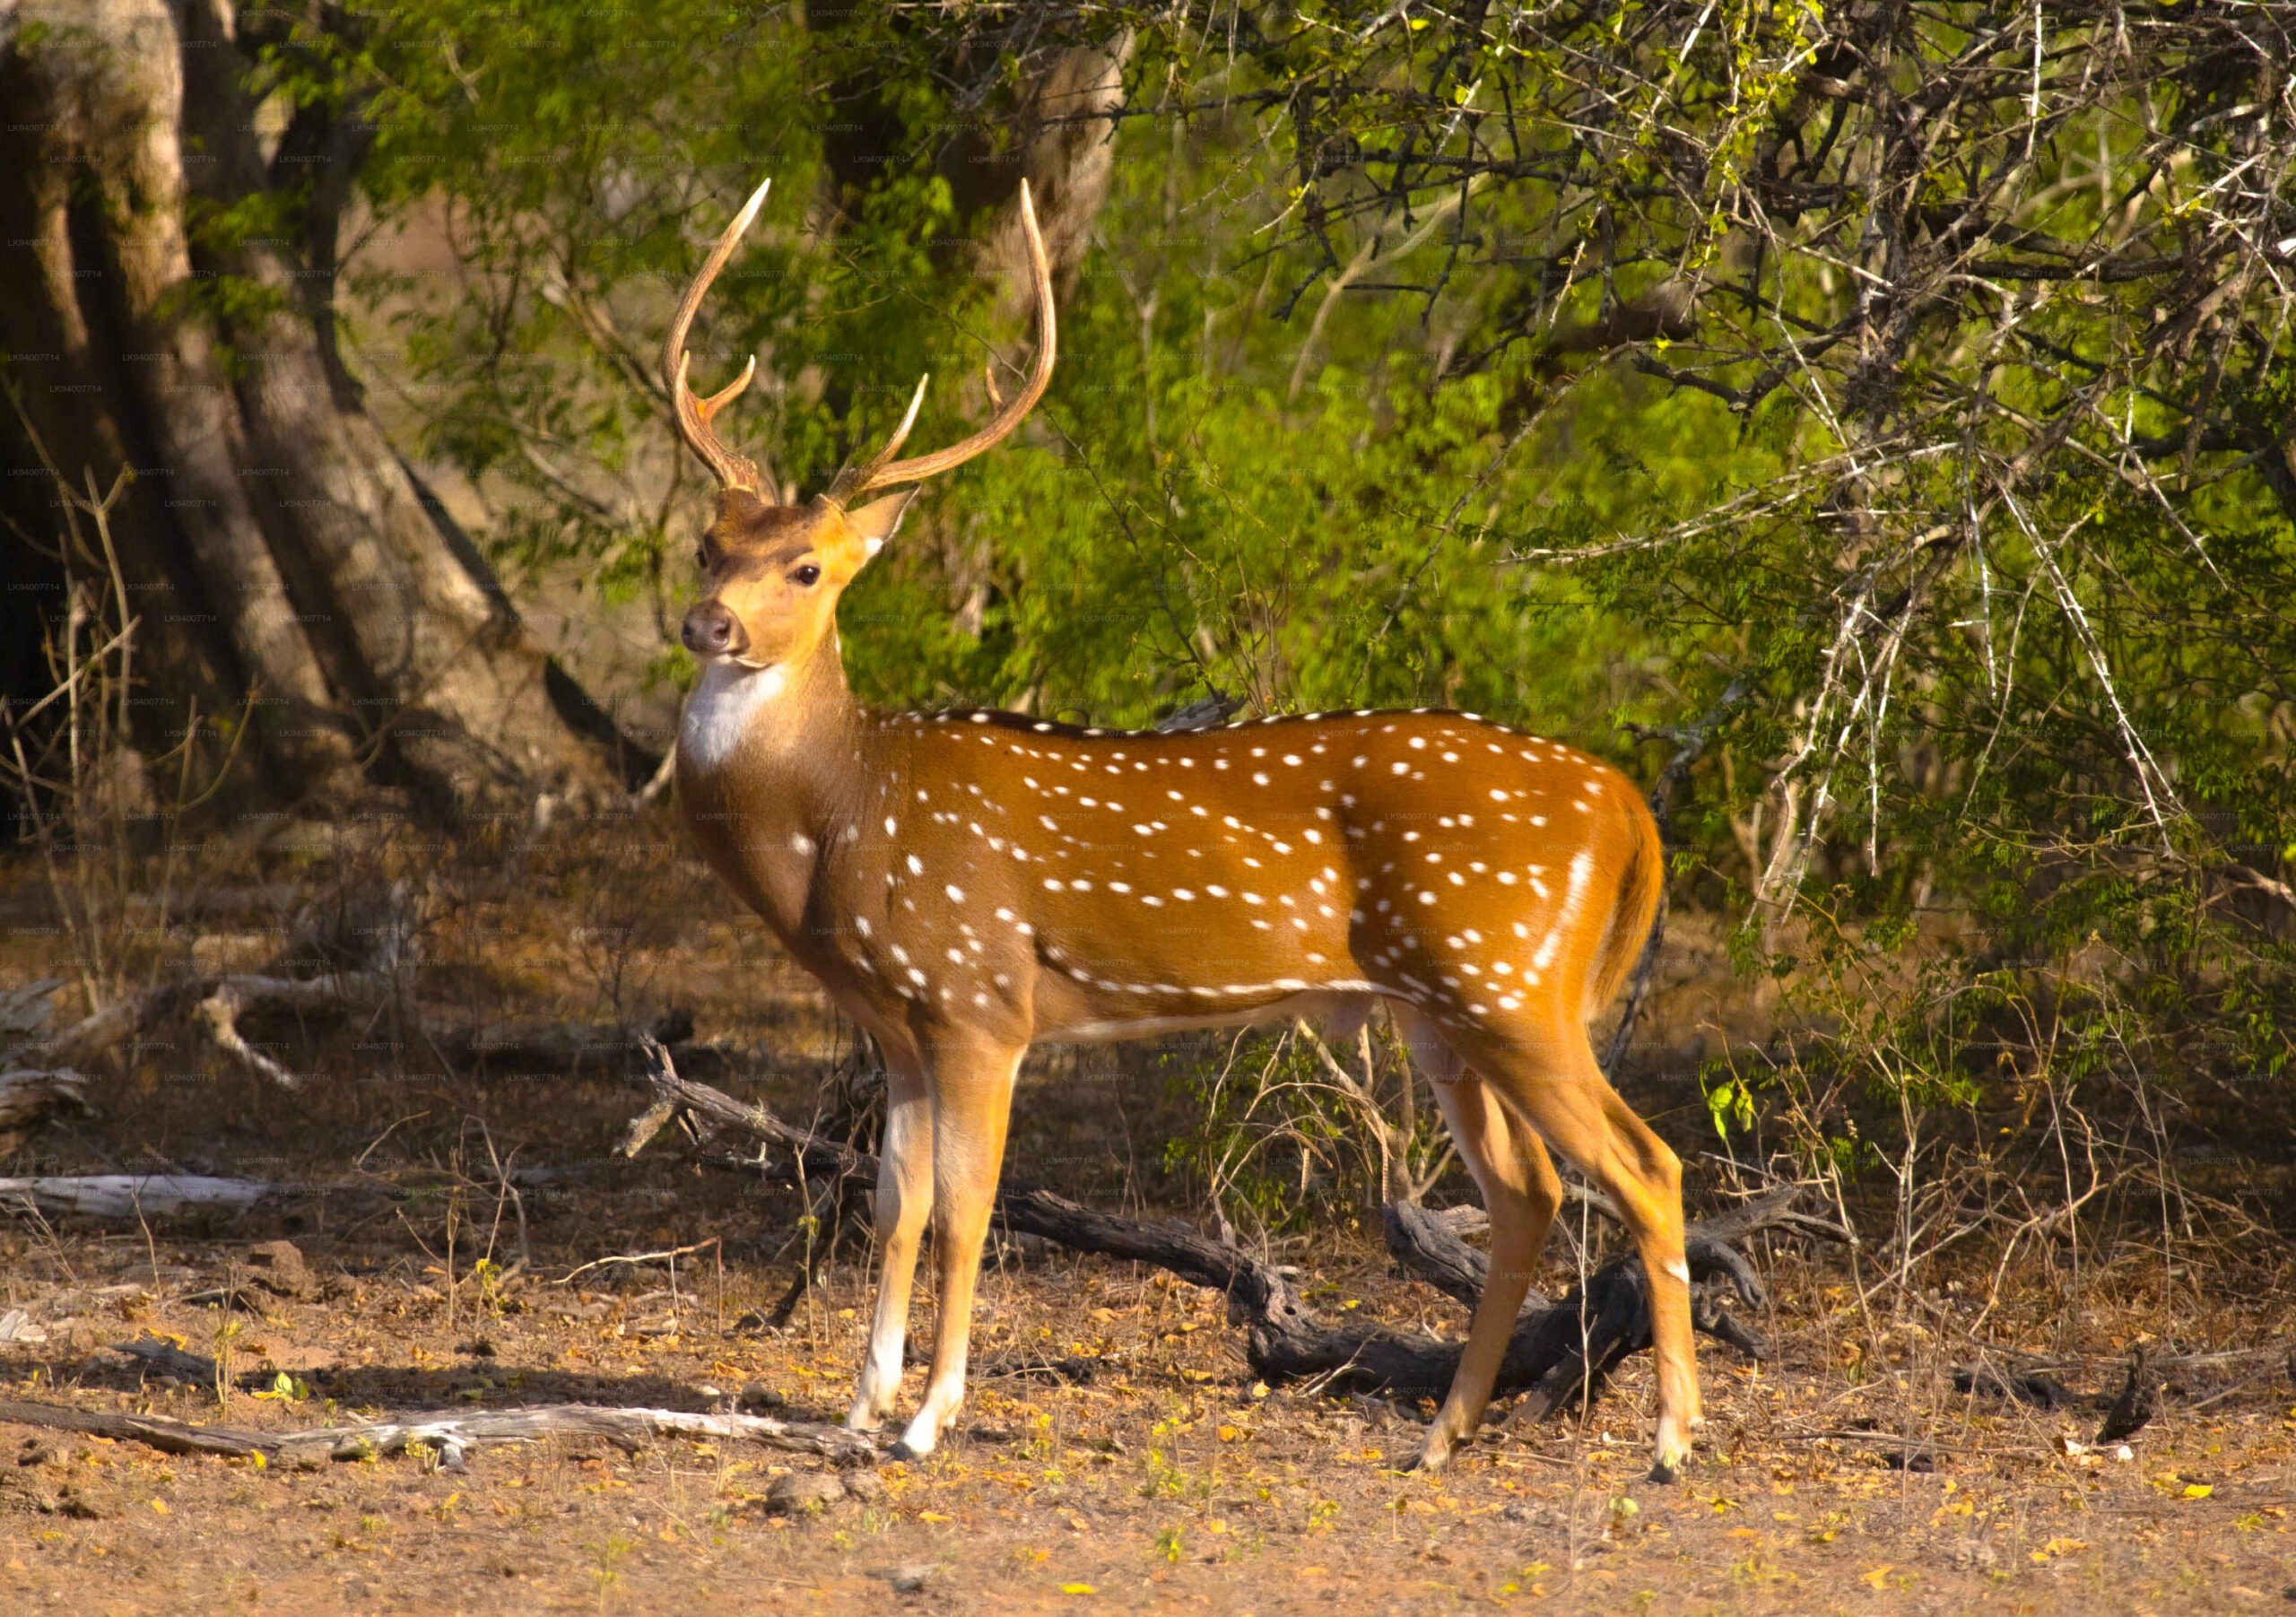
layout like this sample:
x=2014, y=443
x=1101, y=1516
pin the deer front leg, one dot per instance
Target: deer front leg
x=972, y=1101
x=904, y=1200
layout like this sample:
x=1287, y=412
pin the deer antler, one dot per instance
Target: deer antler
x=734, y=469
x=882, y=471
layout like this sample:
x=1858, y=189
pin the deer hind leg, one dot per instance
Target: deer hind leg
x=1563, y=1095
x=1521, y=1193
x=972, y=1102
x=904, y=1201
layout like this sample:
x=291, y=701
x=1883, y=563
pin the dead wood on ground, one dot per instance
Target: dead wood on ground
x=30, y=1097
x=131, y=1196
x=242, y=991
x=450, y=1435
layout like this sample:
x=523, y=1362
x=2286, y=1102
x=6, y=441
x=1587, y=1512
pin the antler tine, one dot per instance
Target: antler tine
x=854, y=482
x=734, y=470
x=908, y=420
x=881, y=470
x=707, y=408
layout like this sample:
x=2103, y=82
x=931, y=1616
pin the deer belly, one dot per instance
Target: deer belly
x=1342, y=1008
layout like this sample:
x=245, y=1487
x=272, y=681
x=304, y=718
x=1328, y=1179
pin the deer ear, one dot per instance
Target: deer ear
x=877, y=521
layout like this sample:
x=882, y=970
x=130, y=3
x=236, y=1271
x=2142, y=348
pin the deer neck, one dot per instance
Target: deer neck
x=770, y=718
x=775, y=771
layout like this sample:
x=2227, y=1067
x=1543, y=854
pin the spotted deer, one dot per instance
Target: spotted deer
x=966, y=884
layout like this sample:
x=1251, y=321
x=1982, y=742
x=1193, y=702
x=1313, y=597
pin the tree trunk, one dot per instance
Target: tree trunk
x=1056, y=130
x=1065, y=147
x=274, y=547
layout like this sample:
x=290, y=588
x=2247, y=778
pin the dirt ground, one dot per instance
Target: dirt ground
x=1147, y=1471
x=1170, y=1480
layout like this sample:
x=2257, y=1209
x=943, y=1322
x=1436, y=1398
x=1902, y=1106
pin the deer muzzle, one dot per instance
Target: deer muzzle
x=710, y=631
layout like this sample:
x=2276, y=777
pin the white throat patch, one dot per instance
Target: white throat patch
x=718, y=712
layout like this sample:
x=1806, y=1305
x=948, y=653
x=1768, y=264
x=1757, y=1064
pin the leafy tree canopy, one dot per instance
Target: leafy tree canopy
x=1883, y=411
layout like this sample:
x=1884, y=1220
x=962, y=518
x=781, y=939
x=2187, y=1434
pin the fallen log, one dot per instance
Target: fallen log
x=127, y=1196
x=156, y=1431
x=1607, y=1316
x=231, y=993
x=1428, y=1244
x=29, y=1096
x=452, y=1433
x=26, y=1009
x=449, y=1434
x=30, y=1093
x=1560, y=1351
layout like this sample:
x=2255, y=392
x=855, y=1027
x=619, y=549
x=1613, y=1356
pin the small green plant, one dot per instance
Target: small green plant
x=1166, y=1478
x=228, y=1329
x=1170, y=1546
x=285, y=1389
x=1730, y=1101
x=486, y=1280
x=605, y=1562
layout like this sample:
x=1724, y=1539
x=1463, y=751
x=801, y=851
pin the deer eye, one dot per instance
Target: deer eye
x=808, y=575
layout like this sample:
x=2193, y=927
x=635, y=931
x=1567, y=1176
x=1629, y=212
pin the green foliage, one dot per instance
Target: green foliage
x=1174, y=520
x=1994, y=549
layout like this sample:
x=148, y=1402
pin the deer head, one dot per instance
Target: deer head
x=775, y=571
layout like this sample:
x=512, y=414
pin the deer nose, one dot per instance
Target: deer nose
x=711, y=631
